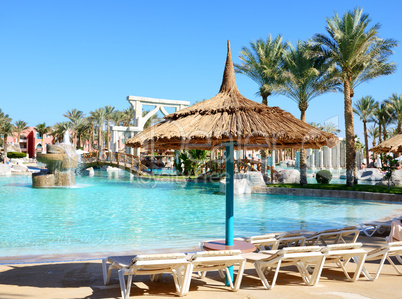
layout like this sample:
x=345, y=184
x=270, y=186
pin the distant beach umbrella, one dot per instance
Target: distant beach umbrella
x=392, y=145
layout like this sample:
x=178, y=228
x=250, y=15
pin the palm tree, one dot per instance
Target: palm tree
x=305, y=78
x=7, y=129
x=395, y=102
x=75, y=116
x=83, y=131
x=262, y=63
x=358, y=55
x=109, y=114
x=20, y=126
x=99, y=115
x=59, y=129
x=118, y=117
x=365, y=108
x=373, y=133
x=383, y=116
x=330, y=127
x=129, y=115
x=4, y=119
x=316, y=125
x=42, y=129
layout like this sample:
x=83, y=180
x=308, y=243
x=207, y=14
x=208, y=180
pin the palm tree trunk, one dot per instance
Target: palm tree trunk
x=379, y=134
x=5, y=149
x=265, y=100
x=350, y=136
x=366, y=142
x=107, y=134
x=263, y=152
x=303, y=165
x=93, y=137
x=100, y=139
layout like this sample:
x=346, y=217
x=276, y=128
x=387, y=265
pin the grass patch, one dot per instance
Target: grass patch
x=358, y=188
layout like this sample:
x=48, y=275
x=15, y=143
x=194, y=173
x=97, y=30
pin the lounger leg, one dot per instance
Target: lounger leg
x=106, y=273
x=125, y=290
x=229, y=275
x=368, y=275
x=393, y=265
x=315, y=276
x=359, y=260
x=239, y=276
x=188, y=270
x=304, y=272
x=258, y=267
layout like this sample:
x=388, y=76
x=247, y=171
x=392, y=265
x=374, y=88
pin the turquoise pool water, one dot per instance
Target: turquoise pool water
x=115, y=213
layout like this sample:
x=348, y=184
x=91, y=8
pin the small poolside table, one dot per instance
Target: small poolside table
x=243, y=246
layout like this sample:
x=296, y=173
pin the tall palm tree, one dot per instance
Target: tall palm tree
x=109, y=114
x=20, y=126
x=99, y=115
x=395, y=102
x=42, y=129
x=305, y=78
x=262, y=63
x=7, y=129
x=365, y=108
x=75, y=116
x=358, y=55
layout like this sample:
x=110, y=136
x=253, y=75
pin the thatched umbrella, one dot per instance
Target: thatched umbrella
x=392, y=145
x=231, y=120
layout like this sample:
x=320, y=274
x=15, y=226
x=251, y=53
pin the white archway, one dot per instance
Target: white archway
x=120, y=134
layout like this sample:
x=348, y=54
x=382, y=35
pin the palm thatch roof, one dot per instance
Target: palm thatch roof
x=393, y=145
x=230, y=117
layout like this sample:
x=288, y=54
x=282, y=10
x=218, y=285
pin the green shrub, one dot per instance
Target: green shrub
x=16, y=155
x=323, y=177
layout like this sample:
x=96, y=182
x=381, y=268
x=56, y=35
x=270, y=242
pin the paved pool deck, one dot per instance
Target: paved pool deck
x=83, y=279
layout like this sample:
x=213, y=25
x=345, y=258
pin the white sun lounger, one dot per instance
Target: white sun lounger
x=383, y=253
x=275, y=241
x=301, y=257
x=372, y=227
x=153, y=264
x=334, y=236
x=204, y=261
x=342, y=253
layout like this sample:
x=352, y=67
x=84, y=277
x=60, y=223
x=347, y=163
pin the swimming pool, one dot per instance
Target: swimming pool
x=112, y=212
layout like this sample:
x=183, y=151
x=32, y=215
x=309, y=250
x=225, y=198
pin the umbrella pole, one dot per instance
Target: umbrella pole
x=229, y=199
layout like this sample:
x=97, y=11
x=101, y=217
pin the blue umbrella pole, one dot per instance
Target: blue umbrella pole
x=229, y=199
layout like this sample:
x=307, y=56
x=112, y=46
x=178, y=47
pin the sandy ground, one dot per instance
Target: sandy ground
x=83, y=279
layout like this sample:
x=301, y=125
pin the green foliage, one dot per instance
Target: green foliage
x=323, y=176
x=189, y=161
x=388, y=165
x=16, y=155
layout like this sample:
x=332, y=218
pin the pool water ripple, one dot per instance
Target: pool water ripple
x=118, y=213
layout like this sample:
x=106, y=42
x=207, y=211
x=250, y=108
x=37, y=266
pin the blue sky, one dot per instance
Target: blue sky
x=60, y=55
